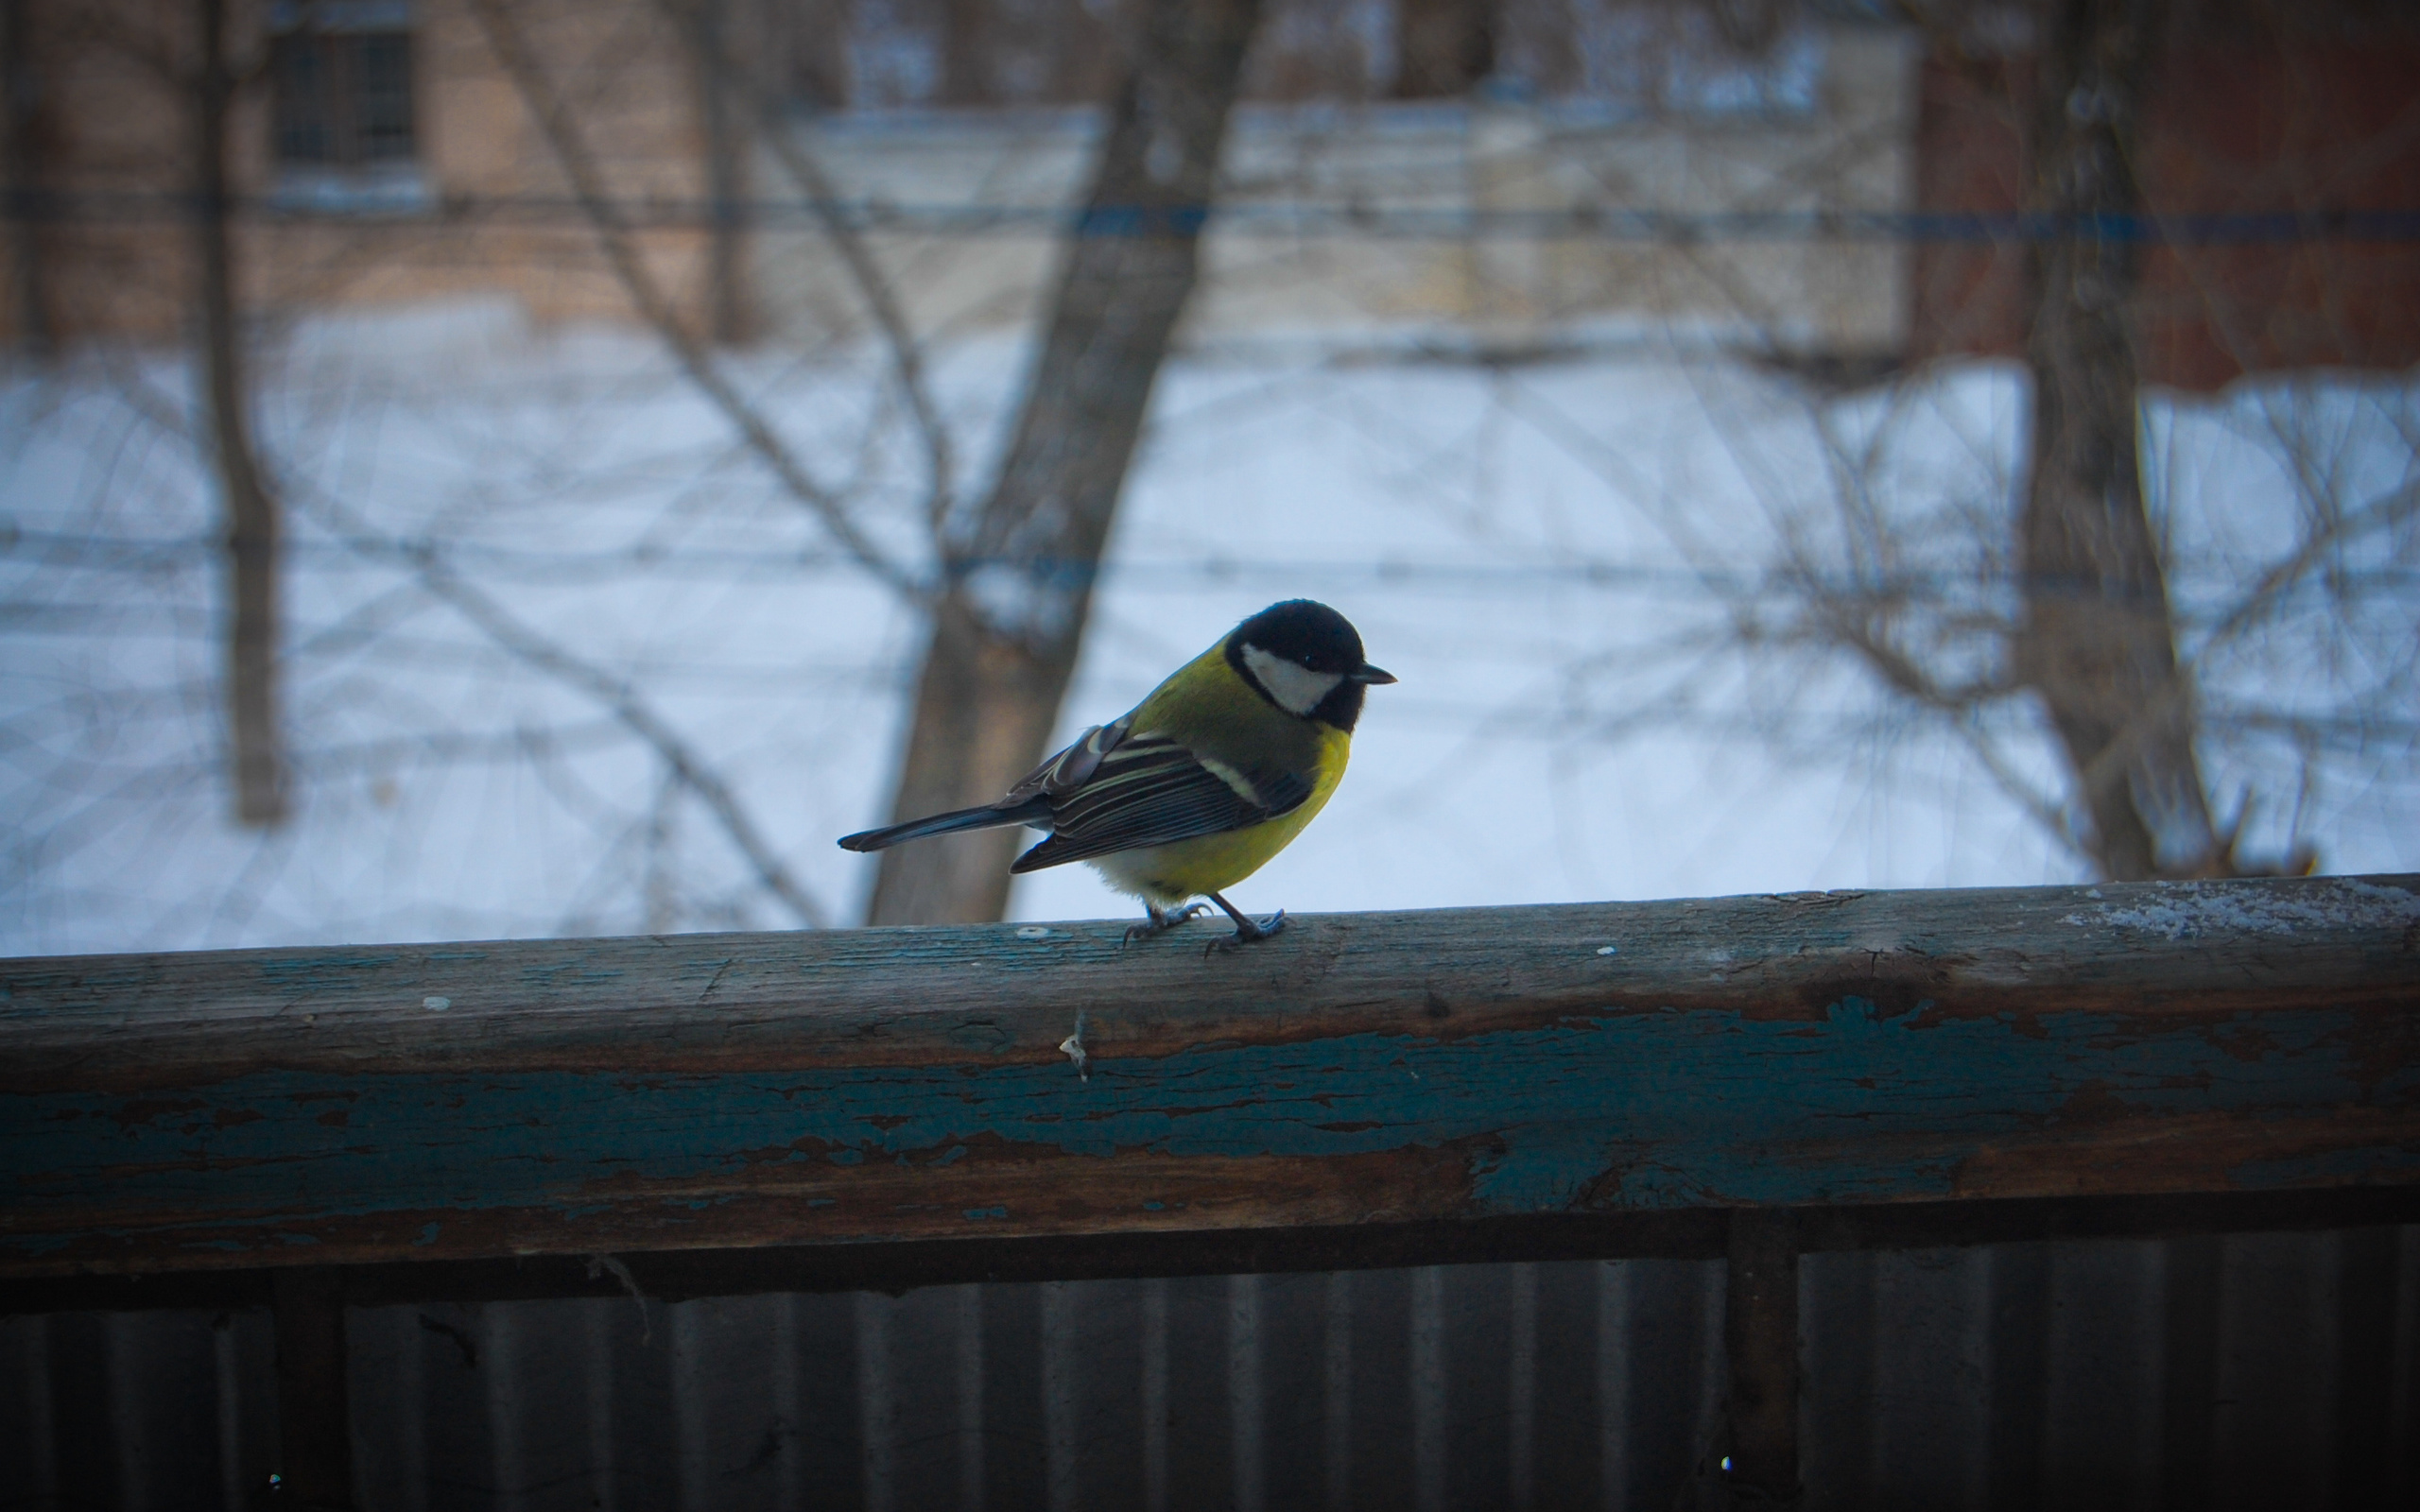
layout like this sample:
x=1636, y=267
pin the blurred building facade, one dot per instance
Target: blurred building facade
x=377, y=152
x=1706, y=212
x=2280, y=182
x=1822, y=180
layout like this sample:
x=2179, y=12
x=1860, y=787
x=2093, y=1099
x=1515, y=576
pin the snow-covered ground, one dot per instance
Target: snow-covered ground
x=496, y=533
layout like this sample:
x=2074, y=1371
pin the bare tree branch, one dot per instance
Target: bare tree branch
x=2385, y=511
x=614, y=236
x=617, y=694
x=872, y=286
x=1019, y=572
x=899, y=339
x=628, y=708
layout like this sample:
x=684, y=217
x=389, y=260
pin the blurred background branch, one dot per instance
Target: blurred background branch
x=1781, y=444
x=1019, y=571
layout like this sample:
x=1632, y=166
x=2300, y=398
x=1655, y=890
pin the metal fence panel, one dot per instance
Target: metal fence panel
x=2249, y=1370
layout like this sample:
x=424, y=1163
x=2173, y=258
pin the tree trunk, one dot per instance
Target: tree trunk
x=726, y=164
x=251, y=514
x=21, y=90
x=2098, y=643
x=1018, y=573
x=1443, y=47
x=966, y=52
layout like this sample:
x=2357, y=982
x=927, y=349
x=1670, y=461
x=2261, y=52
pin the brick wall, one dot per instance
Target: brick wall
x=491, y=213
x=2280, y=173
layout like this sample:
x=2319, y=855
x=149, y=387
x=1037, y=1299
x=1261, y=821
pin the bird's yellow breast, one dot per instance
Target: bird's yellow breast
x=1169, y=874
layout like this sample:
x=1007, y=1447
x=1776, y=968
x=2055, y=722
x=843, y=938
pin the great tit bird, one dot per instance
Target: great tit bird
x=1197, y=787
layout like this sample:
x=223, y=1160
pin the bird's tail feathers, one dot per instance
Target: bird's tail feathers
x=990, y=816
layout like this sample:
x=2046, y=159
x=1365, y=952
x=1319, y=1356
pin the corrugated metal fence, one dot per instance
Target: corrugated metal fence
x=2251, y=1371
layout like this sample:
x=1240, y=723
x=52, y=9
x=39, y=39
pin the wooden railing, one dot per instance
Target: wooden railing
x=1745, y=1076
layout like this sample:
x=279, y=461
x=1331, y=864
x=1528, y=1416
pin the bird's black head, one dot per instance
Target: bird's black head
x=1305, y=658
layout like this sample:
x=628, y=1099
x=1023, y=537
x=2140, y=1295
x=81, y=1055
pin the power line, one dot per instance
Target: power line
x=1910, y=586
x=1346, y=217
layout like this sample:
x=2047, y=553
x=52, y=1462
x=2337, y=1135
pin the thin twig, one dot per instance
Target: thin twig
x=907, y=356
x=899, y=338
x=617, y=694
x=692, y=771
x=621, y=252
x=2387, y=509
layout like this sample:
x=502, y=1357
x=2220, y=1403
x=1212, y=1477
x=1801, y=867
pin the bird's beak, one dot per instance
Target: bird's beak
x=1369, y=675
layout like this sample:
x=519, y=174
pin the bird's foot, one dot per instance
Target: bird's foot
x=1247, y=928
x=1160, y=923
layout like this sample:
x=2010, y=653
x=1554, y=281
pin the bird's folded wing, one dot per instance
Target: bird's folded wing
x=1070, y=769
x=1150, y=790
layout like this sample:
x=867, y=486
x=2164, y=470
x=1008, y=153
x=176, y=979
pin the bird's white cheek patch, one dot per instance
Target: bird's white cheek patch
x=1297, y=689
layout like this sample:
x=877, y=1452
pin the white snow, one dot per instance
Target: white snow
x=2187, y=910
x=1550, y=558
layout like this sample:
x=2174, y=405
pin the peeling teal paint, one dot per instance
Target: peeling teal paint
x=312, y=973
x=1644, y=1110
x=2335, y=1168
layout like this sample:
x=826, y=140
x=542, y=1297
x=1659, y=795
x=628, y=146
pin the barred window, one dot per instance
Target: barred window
x=343, y=98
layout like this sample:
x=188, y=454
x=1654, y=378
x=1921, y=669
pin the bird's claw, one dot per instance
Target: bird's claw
x=1246, y=931
x=1160, y=923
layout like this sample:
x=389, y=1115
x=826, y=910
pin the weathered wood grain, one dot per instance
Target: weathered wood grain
x=314, y=1107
